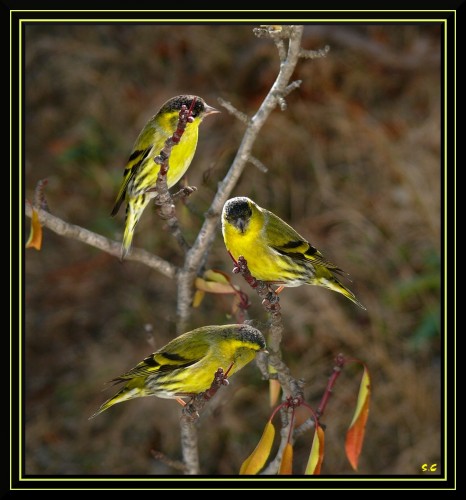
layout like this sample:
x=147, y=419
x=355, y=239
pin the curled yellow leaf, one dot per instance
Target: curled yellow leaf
x=316, y=456
x=256, y=460
x=35, y=236
x=198, y=296
x=286, y=465
x=356, y=431
x=213, y=286
x=218, y=276
x=274, y=391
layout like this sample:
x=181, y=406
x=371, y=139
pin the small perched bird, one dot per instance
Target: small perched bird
x=274, y=251
x=140, y=174
x=187, y=364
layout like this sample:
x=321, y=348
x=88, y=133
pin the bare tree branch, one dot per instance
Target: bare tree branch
x=242, y=117
x=112, y=247
x=314, y=54
x=258, y=164
x=189, y=446
x=175, y=464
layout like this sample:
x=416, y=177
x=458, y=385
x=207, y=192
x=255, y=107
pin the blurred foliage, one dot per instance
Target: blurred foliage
x=353, y=165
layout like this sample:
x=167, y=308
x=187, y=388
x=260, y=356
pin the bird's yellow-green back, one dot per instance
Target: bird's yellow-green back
x=186, y=365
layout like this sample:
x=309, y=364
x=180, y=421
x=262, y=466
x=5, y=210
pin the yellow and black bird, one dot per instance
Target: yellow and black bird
x=140, y=174
x=187, y=364
x=274, y=251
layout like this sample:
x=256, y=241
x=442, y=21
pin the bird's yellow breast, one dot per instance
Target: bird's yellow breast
x=183, y=153
x=263, y=261
x=251, y=244
x=238, y=241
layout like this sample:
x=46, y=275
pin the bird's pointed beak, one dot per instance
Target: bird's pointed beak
x=240, y=224
x=209, y=110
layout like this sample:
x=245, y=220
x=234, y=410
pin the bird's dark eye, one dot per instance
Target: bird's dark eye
x=198, y=108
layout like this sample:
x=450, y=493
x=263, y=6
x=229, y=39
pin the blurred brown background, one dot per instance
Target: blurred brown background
x=354, y=165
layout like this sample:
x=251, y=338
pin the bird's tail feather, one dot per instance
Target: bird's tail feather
x=124, y=394
x=336, y=286
x=134, y=211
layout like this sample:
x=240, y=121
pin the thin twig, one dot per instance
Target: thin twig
x=277, y=33
x=310, y=423
x=39, y=195
x=112, y=247
x=314, y=54
x=184, y=193
x=339, y=363
x=292, y=86
x=242, y=117
x=258, y=164
x=175, y=464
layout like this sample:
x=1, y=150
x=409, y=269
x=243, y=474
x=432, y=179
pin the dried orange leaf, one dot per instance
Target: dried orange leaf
x=35, y=236
x=198, y=296
x=316, y=456
x=256, y=460
x=356, y=431
x=286, y=465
